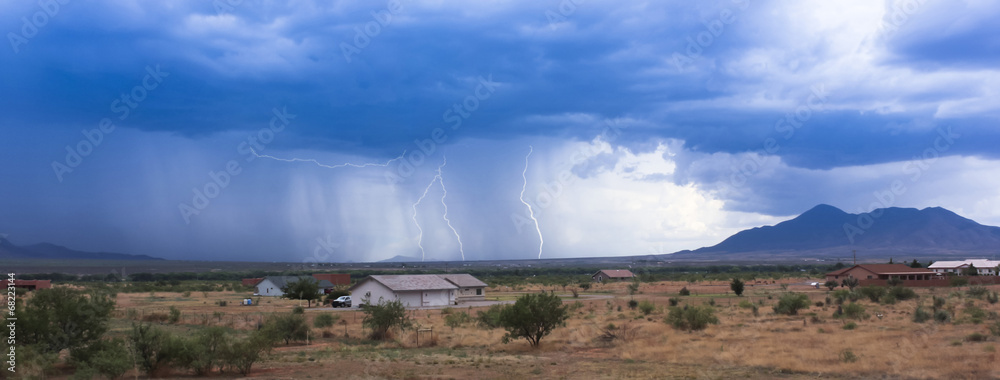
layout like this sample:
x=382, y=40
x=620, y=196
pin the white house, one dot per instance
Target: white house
x=414, y=290
x=469, y=287
x=983, y=266
x=271, y=285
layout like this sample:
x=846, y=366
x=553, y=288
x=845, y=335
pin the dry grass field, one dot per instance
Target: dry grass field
x=813, y=344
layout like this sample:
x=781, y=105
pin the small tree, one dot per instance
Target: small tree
x=831, y=284
x=894, y=281
x=684, y=291
x=915, y=264
x=532, y=317
x=851, y=283
x=383, y=316
x=286, y=327
x=61, y=318
x=325, y=320
x=242, y=354
x=585, y=285
x=737, y=286
x=874, y=293
x=458, y=319
x=149, y=346
x=691, y=317
x=633, y=288
x=109, y=357
x=791, y=303
x=304, y=289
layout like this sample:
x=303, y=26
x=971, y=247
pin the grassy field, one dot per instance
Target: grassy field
x=884, y=343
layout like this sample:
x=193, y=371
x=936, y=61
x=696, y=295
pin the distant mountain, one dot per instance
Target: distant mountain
x=401, y=259
x=826, y=231
x=51, y=251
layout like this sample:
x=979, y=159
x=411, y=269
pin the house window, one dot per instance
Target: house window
x=479, y=292
x=869, y=277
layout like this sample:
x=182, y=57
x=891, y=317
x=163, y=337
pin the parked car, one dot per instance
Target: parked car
x=342, y=301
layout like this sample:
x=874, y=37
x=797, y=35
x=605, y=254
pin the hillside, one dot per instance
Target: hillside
x=55, y=252
x=826, y=231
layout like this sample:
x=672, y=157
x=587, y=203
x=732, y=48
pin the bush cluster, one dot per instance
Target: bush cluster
x=691, y=317
x=790, y=303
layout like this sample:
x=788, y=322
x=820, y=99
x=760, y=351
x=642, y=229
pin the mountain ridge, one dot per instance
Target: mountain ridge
x=9, y=250
x=824, y=230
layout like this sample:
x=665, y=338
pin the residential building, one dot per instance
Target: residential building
x=271, y=285
x=612, y=275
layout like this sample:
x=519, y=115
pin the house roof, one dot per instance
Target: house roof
x=884, y=269
x=283, y=281
x=978, y=263
x=334, y=278
x=409, y=282
x=617, y=273
x=463, y=280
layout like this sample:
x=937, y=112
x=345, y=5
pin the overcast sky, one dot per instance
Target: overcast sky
x=298, y=131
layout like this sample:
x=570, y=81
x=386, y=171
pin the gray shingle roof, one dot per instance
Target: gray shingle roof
x=617, y=273
x=463, y=280
x=404, y=282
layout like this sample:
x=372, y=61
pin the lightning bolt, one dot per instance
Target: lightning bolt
x=346, y=164
x=420, y=234
x=420, y=231
x=461, y=249
x=531, y=212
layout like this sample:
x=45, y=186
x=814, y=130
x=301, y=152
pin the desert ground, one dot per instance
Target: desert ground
x=885, y=343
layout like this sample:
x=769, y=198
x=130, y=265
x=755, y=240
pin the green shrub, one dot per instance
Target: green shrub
x=385, y=315
x=744, y=304
x=674, y=301
x=109, y=358
x=151, y=347
x=977, y=292
x=454, y=320
x=942, y=316
x=684, y=291
x=646, y=307
x=242, y=354
x=920, y=315
x=976, y=315
x=325, y=320
x=286, y=327
x=298, y=310
x=532, y=317
x=489, y=318
x=938, y=302
x=902, y=293
x=175, y=315
x=874, y=293
x=848, y=356
x=691, y=317
x=737, y=286
x=976, y=337
x=791, y=303
x=853, y=310
x=62, y=318
x=995, y=328
x=850, y=326
x=843, y=295
x=992, y=298
x=632, y=304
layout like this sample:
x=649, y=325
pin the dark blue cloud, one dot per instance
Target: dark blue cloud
x=713, y=77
